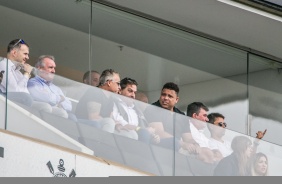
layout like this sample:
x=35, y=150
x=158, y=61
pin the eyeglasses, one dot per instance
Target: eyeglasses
x=20, y=41
x=118, y=83
x=221, y=124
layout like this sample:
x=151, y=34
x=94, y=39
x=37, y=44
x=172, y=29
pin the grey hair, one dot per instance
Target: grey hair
x=107, y=75
x=40, y=63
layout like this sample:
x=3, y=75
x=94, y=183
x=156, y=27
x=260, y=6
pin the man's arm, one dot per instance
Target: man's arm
x=14, y=84
x=159, y=129
x=40, y=92
x=64, y=102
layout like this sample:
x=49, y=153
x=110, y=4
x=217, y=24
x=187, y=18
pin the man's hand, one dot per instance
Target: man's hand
x=27, y=68
x=156, y=138
x=127, y=127
x=260, y=134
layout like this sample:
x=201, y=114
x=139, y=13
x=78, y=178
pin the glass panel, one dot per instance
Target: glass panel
x=66, y=44
x=205, y=71
x=2, y=95
x=152, y=54
x=243, y=155
x=265, y=97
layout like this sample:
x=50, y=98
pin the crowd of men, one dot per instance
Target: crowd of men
x=161, y=123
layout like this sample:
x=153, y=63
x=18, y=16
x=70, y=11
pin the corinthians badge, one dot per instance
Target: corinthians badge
x=61, y=169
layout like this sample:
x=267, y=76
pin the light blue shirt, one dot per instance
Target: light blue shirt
x=44, y=91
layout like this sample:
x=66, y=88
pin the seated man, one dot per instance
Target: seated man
x=198, y=113
x=164, y=120
x=42, y=89
x=217, y=131
x=18, y=72
x=91, y=78
x=130, y=121
x=217, y=127
x=97, y=105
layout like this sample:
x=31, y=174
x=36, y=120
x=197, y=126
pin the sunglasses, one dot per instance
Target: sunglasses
x=221, y=124
x=18, y=42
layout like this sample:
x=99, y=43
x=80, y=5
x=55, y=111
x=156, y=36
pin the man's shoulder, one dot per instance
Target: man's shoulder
x=33, y=80
x=157, y=103
x=3, y=62
x=175, y=109
x=92, y=94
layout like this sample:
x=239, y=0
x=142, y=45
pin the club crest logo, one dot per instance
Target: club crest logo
x=61, y=169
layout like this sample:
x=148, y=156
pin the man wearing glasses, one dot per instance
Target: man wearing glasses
x=97, y=104
x=18, y=74
x=217, y=129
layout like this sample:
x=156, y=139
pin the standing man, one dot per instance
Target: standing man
x=97, y=105
x=91, y=78
x=130, y=121
x=42, y=89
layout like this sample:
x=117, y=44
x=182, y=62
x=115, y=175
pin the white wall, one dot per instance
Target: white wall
x=24, y=158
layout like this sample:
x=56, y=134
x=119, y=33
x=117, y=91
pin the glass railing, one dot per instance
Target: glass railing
x=245, y=88
x=158, y=141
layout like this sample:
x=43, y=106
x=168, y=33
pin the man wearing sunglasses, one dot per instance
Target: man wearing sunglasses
x=217, y=127
x=17, y=72
x=17, y=56
x=95, y=107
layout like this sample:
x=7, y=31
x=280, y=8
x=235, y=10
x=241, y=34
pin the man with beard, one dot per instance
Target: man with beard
x=42, y=89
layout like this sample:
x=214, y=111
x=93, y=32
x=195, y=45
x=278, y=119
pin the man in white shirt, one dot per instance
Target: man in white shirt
x=16, y=75
x=217, y=131
x=130, y=121
x=198, y=113
x=14, y=82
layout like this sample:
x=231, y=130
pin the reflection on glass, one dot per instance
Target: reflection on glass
x=265, y=97
x=176, y=157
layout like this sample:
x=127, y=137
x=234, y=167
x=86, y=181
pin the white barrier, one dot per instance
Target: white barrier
x=25, y=157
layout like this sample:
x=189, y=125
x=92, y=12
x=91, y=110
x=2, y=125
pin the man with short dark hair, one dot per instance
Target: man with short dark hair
x=216, y=127
x=17, y=71
x=198, y=113
x=91, y=78
x=167, y=120
x=130, y=121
